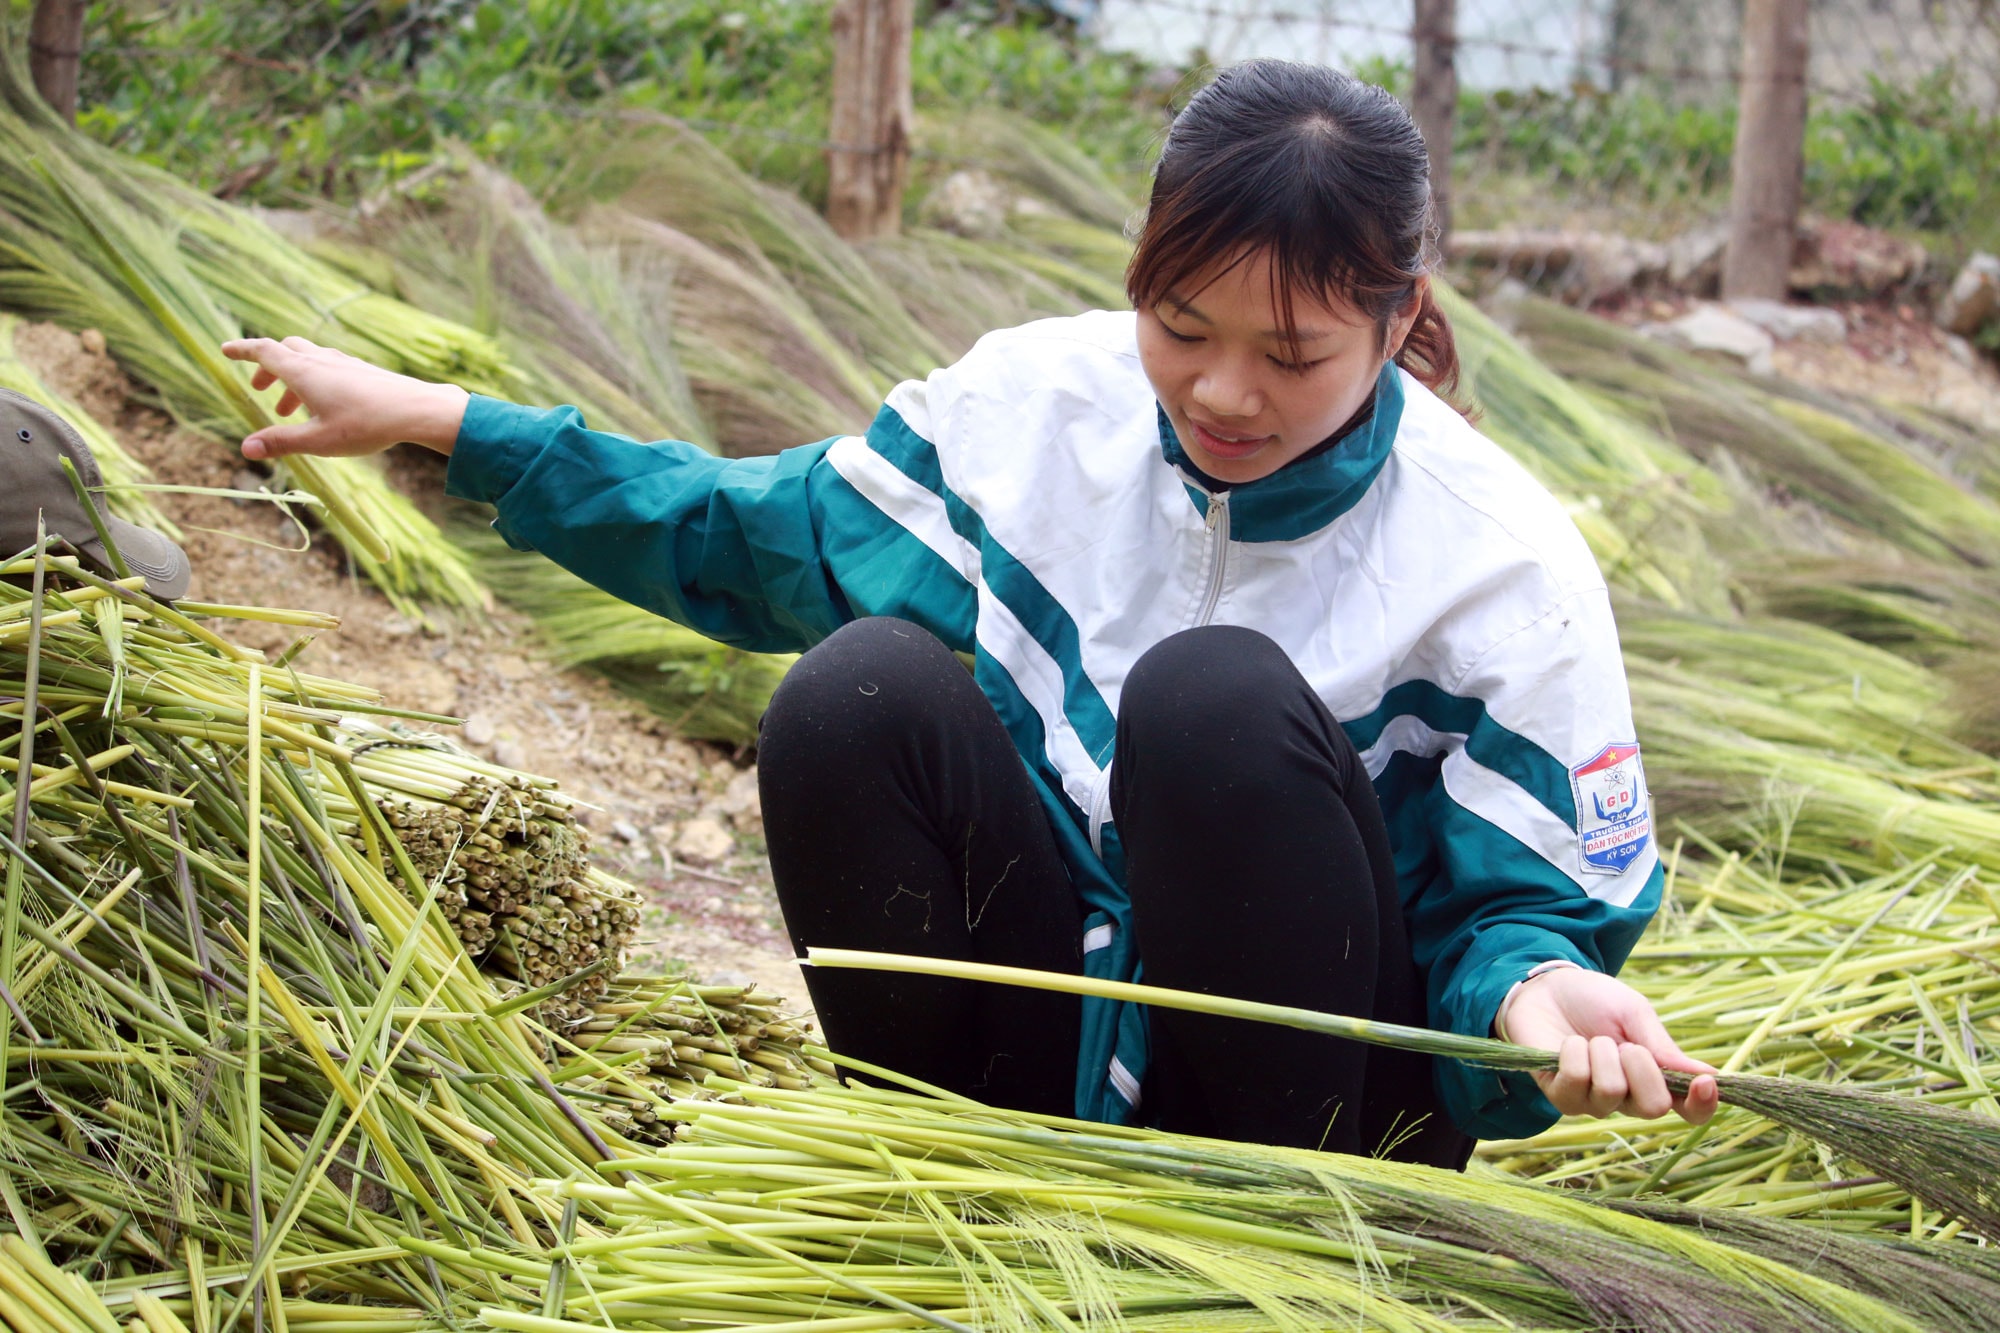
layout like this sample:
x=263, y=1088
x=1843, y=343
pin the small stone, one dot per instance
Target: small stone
x=509, y=754
x=1713, y=328
x=1793, y=323
x=396, y=627
x=93, y=341
x=1694, y=260
x=727, y=979
x=247, y=479
x=740, y=797
x=1974, y=297
x=712, y=904
x=478, y=729
x=703, y=840
x=968, y=203
x=1961, y=351
x=625, y=830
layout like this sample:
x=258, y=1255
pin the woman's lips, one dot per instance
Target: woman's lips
x=1222, y=446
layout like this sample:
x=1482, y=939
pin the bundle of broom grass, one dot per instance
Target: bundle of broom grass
x=669, y=174
x=78, y=249
x=1809, y=461
x=581, y=325
x=1885, y=983
x=243, y=1049
x=256, y=1081
x=506, y=858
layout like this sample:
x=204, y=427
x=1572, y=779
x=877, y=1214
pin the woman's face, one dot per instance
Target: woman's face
x=1243, y=402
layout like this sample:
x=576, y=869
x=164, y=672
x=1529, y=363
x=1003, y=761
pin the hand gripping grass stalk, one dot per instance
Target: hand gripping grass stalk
x=1890, y=983
x=1948, y=1157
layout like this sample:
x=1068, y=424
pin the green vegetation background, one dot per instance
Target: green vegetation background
x=277, y=102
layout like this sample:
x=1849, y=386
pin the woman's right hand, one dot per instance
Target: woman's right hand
x=355, y=408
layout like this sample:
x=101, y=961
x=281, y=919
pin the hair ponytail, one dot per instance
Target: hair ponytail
x=1430, y=351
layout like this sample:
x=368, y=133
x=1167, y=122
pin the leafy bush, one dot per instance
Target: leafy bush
x=276, y=100
x=1914, y=156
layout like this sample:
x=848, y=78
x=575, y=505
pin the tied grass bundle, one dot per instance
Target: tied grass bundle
x=675, y=1036
x=506, y=859
x=1946, y=1156
x=670, y=175
x=1799, y=462
x=1642, y=504
x=583, y=325
x=246, y=1055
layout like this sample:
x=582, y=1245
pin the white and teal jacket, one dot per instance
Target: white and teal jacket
x=1028, y=505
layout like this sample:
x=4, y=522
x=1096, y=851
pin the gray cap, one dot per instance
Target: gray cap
x=33, y=441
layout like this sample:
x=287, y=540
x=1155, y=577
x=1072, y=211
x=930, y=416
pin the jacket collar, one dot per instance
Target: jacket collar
x=1302, y=497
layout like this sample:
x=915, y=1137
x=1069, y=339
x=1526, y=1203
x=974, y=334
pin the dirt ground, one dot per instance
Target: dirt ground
x=678, y=819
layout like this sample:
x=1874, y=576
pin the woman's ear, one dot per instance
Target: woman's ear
x=1406, y=318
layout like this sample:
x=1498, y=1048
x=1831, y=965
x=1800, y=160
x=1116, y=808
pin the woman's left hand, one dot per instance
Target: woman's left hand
x=1612, y=1048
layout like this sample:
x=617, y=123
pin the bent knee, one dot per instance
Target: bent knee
x=1210, y=681
x=881, y=669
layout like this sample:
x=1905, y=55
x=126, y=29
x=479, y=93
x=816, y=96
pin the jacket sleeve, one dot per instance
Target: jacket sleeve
x=770, y=554
x=1541, y=826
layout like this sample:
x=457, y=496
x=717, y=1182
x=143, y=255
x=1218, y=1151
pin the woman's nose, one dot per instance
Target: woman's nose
x=1226, y=391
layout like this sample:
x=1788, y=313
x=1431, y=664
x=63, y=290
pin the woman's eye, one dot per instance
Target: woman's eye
x=1178, y=336
x=1296, y=367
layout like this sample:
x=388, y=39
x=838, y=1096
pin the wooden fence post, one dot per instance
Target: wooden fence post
x=55, y=48
x=1767, y=174
x=1434, y=94
x=868, y=165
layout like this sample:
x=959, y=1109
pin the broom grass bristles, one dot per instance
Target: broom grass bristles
x=1949, y=1157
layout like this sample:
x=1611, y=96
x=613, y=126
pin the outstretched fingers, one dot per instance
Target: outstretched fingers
x=298, y=437
x=276, y=361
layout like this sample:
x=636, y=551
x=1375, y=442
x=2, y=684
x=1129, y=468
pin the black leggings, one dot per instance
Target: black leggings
x=900, y=818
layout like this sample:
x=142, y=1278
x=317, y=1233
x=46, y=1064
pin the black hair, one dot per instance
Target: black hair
x=1326, y=173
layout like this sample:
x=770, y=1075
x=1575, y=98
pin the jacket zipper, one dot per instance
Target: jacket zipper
x=1217, y=522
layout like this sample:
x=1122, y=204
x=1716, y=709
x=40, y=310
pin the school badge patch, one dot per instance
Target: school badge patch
x=1613, y=821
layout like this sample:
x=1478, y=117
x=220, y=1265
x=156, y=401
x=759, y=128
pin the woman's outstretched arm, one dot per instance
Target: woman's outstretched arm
x=771, y=553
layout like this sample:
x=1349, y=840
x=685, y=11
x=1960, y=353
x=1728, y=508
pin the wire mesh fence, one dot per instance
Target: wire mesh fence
x=1619, y=116
x=1571, y=120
